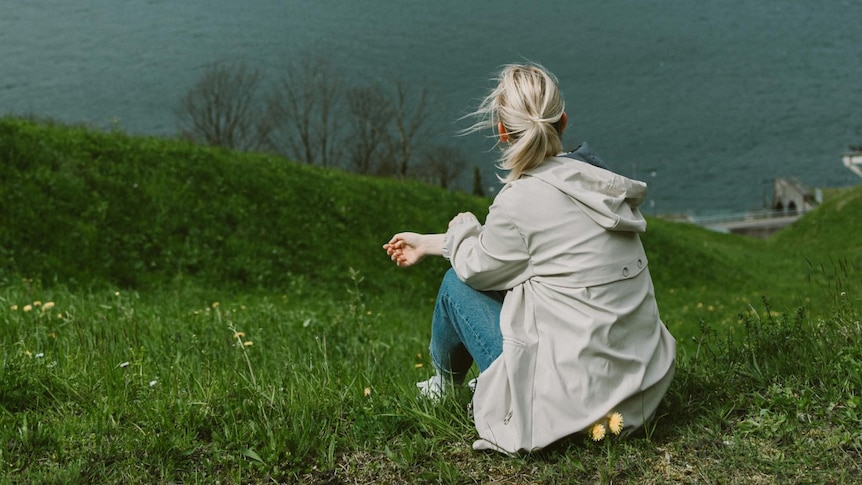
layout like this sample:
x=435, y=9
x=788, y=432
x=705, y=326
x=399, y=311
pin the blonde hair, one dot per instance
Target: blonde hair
x=528, y=102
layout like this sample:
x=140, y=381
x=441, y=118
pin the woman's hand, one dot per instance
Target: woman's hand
x=462, y=217
x=406, y=248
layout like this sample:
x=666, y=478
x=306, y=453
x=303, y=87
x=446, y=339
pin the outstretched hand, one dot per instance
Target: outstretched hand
x=406, y=248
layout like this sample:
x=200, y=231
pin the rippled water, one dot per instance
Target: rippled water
x=706, y=101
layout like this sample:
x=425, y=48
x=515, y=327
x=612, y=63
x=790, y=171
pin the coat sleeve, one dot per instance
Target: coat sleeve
x=489, y=257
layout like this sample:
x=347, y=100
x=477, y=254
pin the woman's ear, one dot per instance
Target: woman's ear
x=504, y=136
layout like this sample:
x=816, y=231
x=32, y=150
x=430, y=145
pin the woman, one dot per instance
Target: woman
x=551, y=297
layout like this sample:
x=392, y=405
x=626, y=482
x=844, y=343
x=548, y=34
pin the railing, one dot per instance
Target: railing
x=764, y=215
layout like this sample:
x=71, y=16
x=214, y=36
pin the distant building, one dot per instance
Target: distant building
x=790, y=197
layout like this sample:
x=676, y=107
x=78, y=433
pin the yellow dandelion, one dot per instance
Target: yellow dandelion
x=116, y=293
x=14, y=308
x=615, y=423
x=248, y=343
x=418, y=366
x=215, y=304
x=597, y=432
x=27, y=308
x=239, y=335
x=52, y=335
x=367, y=391
x=47, y=306
x=37, y=303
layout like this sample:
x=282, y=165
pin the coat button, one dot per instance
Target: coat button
x=640, y=263
x=625, y=272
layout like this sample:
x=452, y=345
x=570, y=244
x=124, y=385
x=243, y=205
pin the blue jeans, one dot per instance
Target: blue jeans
x=465, y=327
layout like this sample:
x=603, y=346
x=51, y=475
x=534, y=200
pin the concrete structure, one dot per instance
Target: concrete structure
x=791, y=197
x=790, y=200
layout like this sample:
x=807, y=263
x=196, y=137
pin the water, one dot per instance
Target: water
x=705, y=101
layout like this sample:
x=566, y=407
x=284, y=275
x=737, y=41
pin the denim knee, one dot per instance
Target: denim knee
x=451, y=281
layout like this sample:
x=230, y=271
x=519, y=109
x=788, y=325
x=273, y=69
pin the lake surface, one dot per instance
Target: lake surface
x=707, y=102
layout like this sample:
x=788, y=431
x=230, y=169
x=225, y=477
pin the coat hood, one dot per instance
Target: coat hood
x=609, y=199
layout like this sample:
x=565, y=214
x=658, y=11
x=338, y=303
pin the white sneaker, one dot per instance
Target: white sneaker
x=432, y=388
x=435, y=387
x=472, y=384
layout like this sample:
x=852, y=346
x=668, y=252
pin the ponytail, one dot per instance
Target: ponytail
x=527, y=101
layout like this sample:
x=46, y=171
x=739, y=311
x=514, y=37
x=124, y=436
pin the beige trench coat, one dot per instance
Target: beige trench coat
x=582, y=336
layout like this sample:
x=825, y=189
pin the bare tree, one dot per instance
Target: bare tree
x=307, y=116
x=388, y=128
x=408, y=118
x=304, y=110
x=478, y=188
x=222, y=109
x=370, y=115
x=442, y=165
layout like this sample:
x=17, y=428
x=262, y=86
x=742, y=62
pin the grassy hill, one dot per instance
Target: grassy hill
x=174, y=313
x=84, y=207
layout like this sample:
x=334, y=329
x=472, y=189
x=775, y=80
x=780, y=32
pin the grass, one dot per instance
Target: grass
x=188, y=386
x=138, y=350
